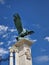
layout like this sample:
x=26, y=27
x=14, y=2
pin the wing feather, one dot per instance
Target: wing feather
x=18, y=24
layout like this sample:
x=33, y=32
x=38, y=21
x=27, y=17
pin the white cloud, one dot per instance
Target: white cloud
x=2, y=1
x=46, y=38
x=33, y=40
x=3, y=51
x=1, y=43
x=28, y=38
x=3, y=28
x=9, y=48
x=9, y=42
x=5, y=35
x=12, y=30
x=14, y=40
x=14, y=36
x=41, y=59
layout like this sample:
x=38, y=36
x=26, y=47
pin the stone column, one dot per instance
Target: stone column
x=11, y=56
x=16, y=57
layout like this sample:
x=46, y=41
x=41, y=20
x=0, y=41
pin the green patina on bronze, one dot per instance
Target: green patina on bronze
x=18, y=24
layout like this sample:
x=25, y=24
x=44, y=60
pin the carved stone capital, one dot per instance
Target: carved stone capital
x=11, y=50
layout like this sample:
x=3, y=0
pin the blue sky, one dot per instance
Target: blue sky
x=35, y=16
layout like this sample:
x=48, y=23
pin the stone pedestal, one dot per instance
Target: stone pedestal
x=24, y=52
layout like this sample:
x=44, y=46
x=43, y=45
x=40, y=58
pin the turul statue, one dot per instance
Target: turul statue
x=20, y=29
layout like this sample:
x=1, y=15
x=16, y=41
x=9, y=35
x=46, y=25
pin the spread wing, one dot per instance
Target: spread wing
x=18, y=24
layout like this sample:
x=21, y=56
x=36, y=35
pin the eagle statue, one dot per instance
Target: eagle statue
x=21, y=31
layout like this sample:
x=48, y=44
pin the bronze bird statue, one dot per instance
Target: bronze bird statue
x=21, y=32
